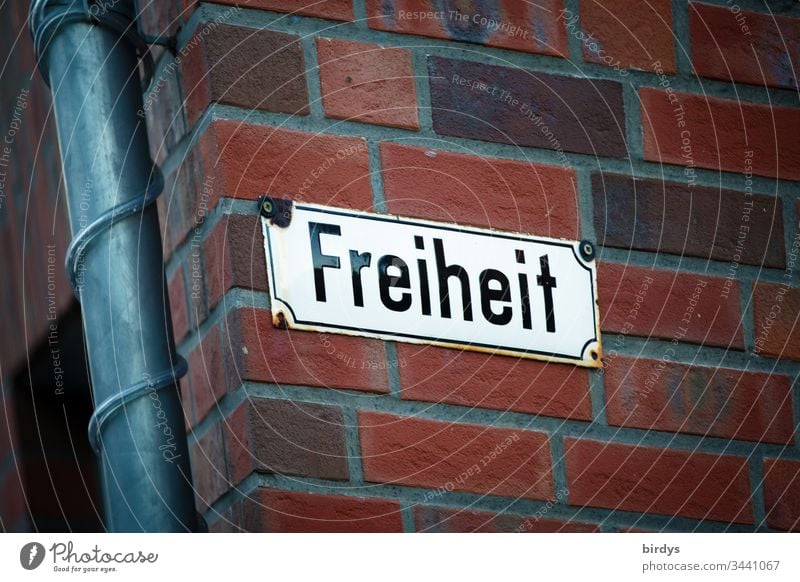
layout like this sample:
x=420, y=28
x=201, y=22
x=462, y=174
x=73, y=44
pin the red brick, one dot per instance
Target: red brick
x=782, y=493
x=206, y=374
x=244, y=67
x=170, y=223
x=177, y=303
x=163, y=110
x=209, y=474
x=625, y=34
x=720, y=402
x=264, y=353
x=183, y=205
x=537, y=27
x=776, y=315
x=449, y=520
x=666, y=296
x=251, y=160
x=651, y=480
x=367, y=83
x=720, y=132
x=269, y=510
x=234, y=257
x=672, y=217
x=429, y=453
x=158, y=18
x=285, y=437
x=746, y=47
x=333, y=9
x=437, y=375
x=490, y=192
x=527, y=108
x=187, y=7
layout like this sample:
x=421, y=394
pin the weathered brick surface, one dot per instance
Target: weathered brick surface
x=623, y=34
x=256, y=350
x=448, y=520
x=491, y=192
x=285, y=437
x=465, y=378
x=517, y=106
x=776, y=315
x=672, y=217
x=367, y=82
x=251, y=160
x=719, y=134
x=270, y=510
x=523, y=26
x=744, y=46
x=640, y=301
x=464, y=457
x=720, y=402
x=782, y=493
x=669, y=482
x=246, y=67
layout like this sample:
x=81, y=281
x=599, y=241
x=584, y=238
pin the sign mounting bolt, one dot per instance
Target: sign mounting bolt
x=587, y=250
x=267, y=207
x=277, y=210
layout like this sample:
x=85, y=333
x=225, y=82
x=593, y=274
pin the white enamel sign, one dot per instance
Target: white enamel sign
x=410, y=280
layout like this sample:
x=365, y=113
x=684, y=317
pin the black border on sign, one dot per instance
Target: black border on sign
x=411, y=222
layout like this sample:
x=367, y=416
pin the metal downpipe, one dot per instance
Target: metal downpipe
x=88, y=55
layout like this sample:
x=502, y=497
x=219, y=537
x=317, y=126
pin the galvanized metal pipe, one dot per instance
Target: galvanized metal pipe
x=144, y=463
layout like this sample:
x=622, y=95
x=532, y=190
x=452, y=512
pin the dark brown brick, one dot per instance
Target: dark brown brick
x=534, y=27
x=476, y=101
x=654, y=215
x=782, y=493
x=234, y=257
x=246, y=67
x=281, y=436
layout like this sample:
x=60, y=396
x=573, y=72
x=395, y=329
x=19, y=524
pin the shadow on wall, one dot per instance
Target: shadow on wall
x=53, y=462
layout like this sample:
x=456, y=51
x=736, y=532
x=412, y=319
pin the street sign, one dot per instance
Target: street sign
x=410, y=280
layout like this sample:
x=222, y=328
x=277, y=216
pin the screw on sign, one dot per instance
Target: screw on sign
x=425, y=282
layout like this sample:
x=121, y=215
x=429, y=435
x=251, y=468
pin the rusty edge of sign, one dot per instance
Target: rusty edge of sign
x=592, y=356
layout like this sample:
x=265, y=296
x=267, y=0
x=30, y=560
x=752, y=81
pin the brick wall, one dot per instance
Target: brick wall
x=664, y=131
